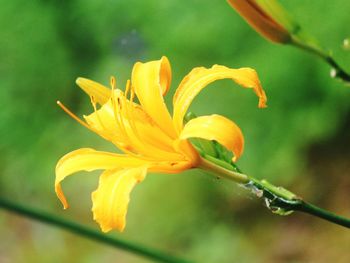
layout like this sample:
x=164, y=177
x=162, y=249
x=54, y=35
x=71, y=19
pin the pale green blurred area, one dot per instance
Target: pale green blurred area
x=301, y=141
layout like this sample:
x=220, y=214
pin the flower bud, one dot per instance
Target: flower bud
x=268, y=18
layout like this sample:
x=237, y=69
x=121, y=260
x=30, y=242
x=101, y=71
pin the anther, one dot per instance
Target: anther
x=113, y=82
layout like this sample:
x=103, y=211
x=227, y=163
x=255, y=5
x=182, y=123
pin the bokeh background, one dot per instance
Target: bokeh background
x=301, y=141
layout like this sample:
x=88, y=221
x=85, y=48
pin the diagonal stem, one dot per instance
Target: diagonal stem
x=81, y=230
x=337, y=71
x=279, y=200
x=324, y=214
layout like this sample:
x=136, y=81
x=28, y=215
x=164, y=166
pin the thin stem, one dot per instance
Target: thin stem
x=336, y=72
x=89, y=233
x=278, y=199
x=324, y=214
x=221, y=171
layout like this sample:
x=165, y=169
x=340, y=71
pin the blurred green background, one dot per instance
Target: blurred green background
x=301, y=141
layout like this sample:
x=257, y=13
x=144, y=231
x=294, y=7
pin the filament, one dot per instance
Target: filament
x=72, y=115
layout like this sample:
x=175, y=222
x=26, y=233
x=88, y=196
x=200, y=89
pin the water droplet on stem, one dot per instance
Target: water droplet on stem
x=333, y=73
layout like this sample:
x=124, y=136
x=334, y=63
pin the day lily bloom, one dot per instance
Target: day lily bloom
x=268, y=18
x=150, y=138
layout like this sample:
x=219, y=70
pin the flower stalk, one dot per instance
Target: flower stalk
x=278, y=199
x=222, y=169
x=84, y=231
x=336, y=72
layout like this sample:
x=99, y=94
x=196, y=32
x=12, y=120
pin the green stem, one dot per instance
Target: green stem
x=337, y=72
x=89, y=233
x=278, y=200
x=321, y=213
x=216, y=167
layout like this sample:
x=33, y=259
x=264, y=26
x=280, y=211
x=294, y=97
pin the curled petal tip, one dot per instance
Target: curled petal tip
x=165, y=58
x=100, y=93
x=262, y=104
x=79, y=80
x=262, y=99
x=105, y=229
x=64, y=202
x=61, y=196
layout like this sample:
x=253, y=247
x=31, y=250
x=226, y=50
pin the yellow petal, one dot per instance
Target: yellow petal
x=100, y=93
x=103, y=121
x=111, y=199
x=153, y=135
x=218, y=128
x=261, y=20
x=151, y=80
x=199, y=78
x=87, y=159
x=149, y=130
x=138, y=140
x=186, y=148
x=131, y=129
x=171, y=167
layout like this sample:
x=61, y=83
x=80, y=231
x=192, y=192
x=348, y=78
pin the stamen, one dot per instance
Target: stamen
x=130, y=109
x=132, y=94
x=114, y=109
x=120, y=121
x=138, y=142
x=127, y=88
x=117, y=115
x=129, y=117
x=119, y=103
x=93, y=102
x=113, y=82
x=123, y=146
x=72, y=115
x=123, y=117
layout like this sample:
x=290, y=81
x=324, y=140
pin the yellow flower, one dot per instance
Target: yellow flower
x=149, y=137
x=268, y=18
